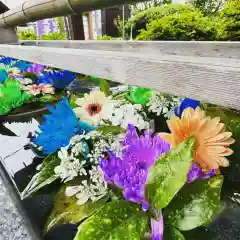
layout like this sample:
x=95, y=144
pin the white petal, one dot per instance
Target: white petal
x=82, y=198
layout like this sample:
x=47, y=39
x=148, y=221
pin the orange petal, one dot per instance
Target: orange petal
x=222, y=143
x=219, y=137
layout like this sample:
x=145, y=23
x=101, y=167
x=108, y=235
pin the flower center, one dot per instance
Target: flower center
x=94, y=109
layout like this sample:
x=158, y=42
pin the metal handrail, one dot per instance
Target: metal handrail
x=33, y=10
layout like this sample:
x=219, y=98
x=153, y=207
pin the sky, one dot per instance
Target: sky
x=14, y=3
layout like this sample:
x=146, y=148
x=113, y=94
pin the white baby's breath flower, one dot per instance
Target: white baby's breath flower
x=160, y=103
x=125, y=114
x=94, y=189
x=70, y=166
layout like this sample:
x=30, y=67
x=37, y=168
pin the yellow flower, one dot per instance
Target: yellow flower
x=210, y=136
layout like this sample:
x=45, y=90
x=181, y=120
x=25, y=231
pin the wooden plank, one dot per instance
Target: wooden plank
x=180, y=48
x=210, y=79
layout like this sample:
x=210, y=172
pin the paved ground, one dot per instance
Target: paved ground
x=12, y=225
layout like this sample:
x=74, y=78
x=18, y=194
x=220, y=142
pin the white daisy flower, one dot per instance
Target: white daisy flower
x=93, y=107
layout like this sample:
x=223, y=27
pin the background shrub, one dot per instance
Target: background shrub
x=26, y=35
x=141, y=19
x=185, y=26
x=54, y=36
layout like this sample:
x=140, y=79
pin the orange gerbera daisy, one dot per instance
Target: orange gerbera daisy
x=211, y=140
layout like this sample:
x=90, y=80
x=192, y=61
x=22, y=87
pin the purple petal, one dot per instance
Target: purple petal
x=196, y=173
x=157, y=228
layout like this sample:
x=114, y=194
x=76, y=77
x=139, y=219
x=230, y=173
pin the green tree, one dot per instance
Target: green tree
x=228, y=21
x=61, y=25
x=141, y=19
x=147, y=4
x=208, y=7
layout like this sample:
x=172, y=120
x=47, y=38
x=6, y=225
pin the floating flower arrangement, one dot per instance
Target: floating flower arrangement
x=22, y=82
x=120, y=177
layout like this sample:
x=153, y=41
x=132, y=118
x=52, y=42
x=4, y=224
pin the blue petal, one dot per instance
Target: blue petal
x=59, y=80
x=186, y=103
x=22, y=65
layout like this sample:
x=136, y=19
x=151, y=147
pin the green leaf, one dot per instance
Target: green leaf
x=169, y=174
x=171, y=233
x=110, y=129
x=117, y=220
x=48, y=98
x=66, y=210
x=44, y=177
x=104, y=87
x=30, y=75
x=195, y=205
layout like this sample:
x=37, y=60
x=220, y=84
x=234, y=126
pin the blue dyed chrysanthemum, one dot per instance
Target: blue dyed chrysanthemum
x=59, y=80
x=130, y=172
x=6, y=60
x=58, y=128
x=22, y=65
x=187, y=102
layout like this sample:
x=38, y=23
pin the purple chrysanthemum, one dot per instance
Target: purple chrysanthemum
x=196, y=173
x=130, y=172
x=35, y=68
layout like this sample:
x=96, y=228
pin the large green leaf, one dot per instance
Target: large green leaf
x=171, y=233
x=117, y=220
x=44, y=177
x=169, y=174
x=195, y=205
x=104, y=87
x=66, y=210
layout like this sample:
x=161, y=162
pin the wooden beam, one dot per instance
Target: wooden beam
x=211, y=77
x=180, y=48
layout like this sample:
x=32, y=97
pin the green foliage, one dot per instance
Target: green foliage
x=106, y=37
x=147, y=4
x=141, y=19
x=209, y=20
x=185, y=26
x=11, y=96
x=195, y=205
x=106, y=129
x=116, y=220
x=208, y=7
x=228, y=21
x=66, y=210
x=26, y=35
x=54, y=36
x=169, y=174
x=44, y=177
